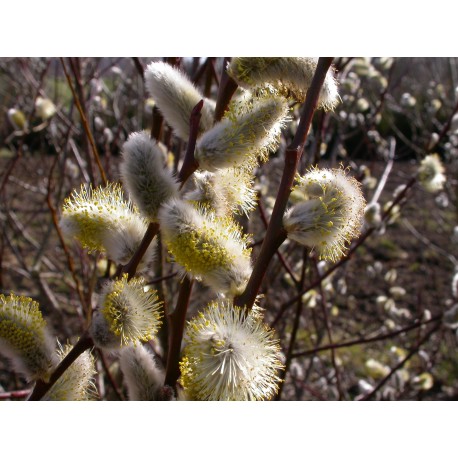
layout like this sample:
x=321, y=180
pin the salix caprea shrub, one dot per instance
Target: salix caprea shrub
x=195, y=213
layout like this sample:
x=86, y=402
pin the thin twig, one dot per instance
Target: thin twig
x=282, y=259
x=398, y=366
x=292, y=340
x=365, y=340
x=86, y=128
x=327, y=324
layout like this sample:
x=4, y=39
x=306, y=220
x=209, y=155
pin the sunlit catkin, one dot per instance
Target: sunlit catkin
x=210, y=248
x=230, y=356
x=176, y=96
x=431, y=173
x=24, y=337
x=101, y=220
x=331, y=212
x=225, y=192
x=144, y=175
x=291, y=76
x=247, y=134
x=126, y=314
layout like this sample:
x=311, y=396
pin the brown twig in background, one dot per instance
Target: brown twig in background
x=110, y=378
x=282, y=259
x=71, y=265
x=292, y=340
x=327, y=324
x=365, y=340
x=398, y=366
x=82, y=113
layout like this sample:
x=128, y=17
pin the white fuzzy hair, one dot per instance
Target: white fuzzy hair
x=210, y=248
x=244, y=136
x=144, y=176
x=176, y=96
x=142, y=376
x=291, y=76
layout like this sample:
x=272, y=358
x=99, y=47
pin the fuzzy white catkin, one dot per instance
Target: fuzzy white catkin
x=126, y=314
x=431, y=173
x=102, y=220
x=176, y=97
x=76, y=383
x=142, y=376
x=330, y=214
x=144, y=176
x=291, y=76
x=25, y=338
x=230, y=355
x=225, y=192
x=210, y=248
x=247, y=133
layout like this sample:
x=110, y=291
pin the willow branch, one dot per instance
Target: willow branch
x=276, y=234
x=190, y=164
x=86, y=128
x=226, y=90
x=177, y=320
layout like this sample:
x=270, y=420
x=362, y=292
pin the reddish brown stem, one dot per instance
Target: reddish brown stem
x=131, y=267
x=14, y=394
x=139, y=67
x=190, y=164
x=226, y=90
x=177, y=321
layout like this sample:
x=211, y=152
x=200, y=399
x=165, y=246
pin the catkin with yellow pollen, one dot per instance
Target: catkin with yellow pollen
x=328, y=214
x=290, y=76
x=210, y=248
x=247, y=134
x=230, y=355
x=24, y=337
x=126, y=314
x=102, y=220
x=76, y=383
